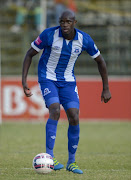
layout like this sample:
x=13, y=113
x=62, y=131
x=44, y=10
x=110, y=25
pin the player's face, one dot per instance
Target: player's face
x=67, y=25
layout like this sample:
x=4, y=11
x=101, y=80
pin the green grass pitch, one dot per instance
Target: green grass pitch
x=104, y=151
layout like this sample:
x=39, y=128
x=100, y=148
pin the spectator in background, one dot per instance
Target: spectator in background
x=72, y=5
x=62, y=5
x=27, y=9
x=31, y=8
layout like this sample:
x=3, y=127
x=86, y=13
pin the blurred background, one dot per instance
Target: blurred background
x=107, y=21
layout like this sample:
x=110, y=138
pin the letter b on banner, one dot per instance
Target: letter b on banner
x=13, y=100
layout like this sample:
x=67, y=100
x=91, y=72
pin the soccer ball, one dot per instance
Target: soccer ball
x=43, y=163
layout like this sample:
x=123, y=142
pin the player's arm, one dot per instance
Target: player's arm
x=26, y=65
x=106, y=95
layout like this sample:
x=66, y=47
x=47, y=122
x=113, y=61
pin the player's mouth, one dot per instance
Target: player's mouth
x=65, y=30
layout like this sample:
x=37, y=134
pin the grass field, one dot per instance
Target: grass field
x=104, y=151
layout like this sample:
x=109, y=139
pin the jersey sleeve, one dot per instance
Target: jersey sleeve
x=90, y=47
x=40, y=42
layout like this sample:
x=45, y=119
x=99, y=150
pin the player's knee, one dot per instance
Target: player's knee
x=74, y=120
x=73, y=116
x=54, y=111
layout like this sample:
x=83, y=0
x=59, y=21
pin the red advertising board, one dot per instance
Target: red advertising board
x=15, y=106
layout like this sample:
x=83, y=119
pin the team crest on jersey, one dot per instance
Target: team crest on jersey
x=46, y=91
x=76, y=50
x=38, y=40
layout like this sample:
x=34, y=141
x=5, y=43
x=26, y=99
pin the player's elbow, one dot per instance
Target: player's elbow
x=31, y=52
x=99, y=59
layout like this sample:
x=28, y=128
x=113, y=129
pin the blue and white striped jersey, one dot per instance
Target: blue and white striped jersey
x=59, y=55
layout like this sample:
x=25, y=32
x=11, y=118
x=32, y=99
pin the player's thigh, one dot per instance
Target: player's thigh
x=49, y=92
x=69, y=96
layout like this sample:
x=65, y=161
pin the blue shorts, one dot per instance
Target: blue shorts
x=65, y=93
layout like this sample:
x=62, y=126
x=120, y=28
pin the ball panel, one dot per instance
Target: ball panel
x=43, y=163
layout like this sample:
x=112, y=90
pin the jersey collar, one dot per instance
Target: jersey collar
x=76, y=35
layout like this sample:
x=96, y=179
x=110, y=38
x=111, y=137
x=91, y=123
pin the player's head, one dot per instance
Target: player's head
x=67, y=21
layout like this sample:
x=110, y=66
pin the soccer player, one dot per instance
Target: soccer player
x=61, y=47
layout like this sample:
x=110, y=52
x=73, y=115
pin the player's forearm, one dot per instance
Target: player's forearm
x=26, y=66
x=103, y=72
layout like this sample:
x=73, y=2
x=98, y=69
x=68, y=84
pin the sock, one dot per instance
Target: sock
x=51, y=128
x=73, y=140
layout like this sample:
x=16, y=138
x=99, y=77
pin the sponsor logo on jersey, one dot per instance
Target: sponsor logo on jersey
x=56, y=47
x=38, y=41
x=46, y=91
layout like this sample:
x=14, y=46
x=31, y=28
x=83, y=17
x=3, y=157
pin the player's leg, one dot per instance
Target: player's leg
x=70, y=101
x=73, y=139
x=51, y=127
x=73, y=133
x=50, y=94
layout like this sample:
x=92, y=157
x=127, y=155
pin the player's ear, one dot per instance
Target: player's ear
x=75, y=21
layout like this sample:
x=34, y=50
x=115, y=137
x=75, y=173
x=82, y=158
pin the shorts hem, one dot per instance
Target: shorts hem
x=52, y=100
x=71, y=104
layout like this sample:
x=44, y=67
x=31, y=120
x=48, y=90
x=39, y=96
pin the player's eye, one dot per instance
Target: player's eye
x=62, y=22
x=69, y=22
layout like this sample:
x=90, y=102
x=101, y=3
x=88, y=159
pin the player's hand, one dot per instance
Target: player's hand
x=105, y=96
x=27, y=91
